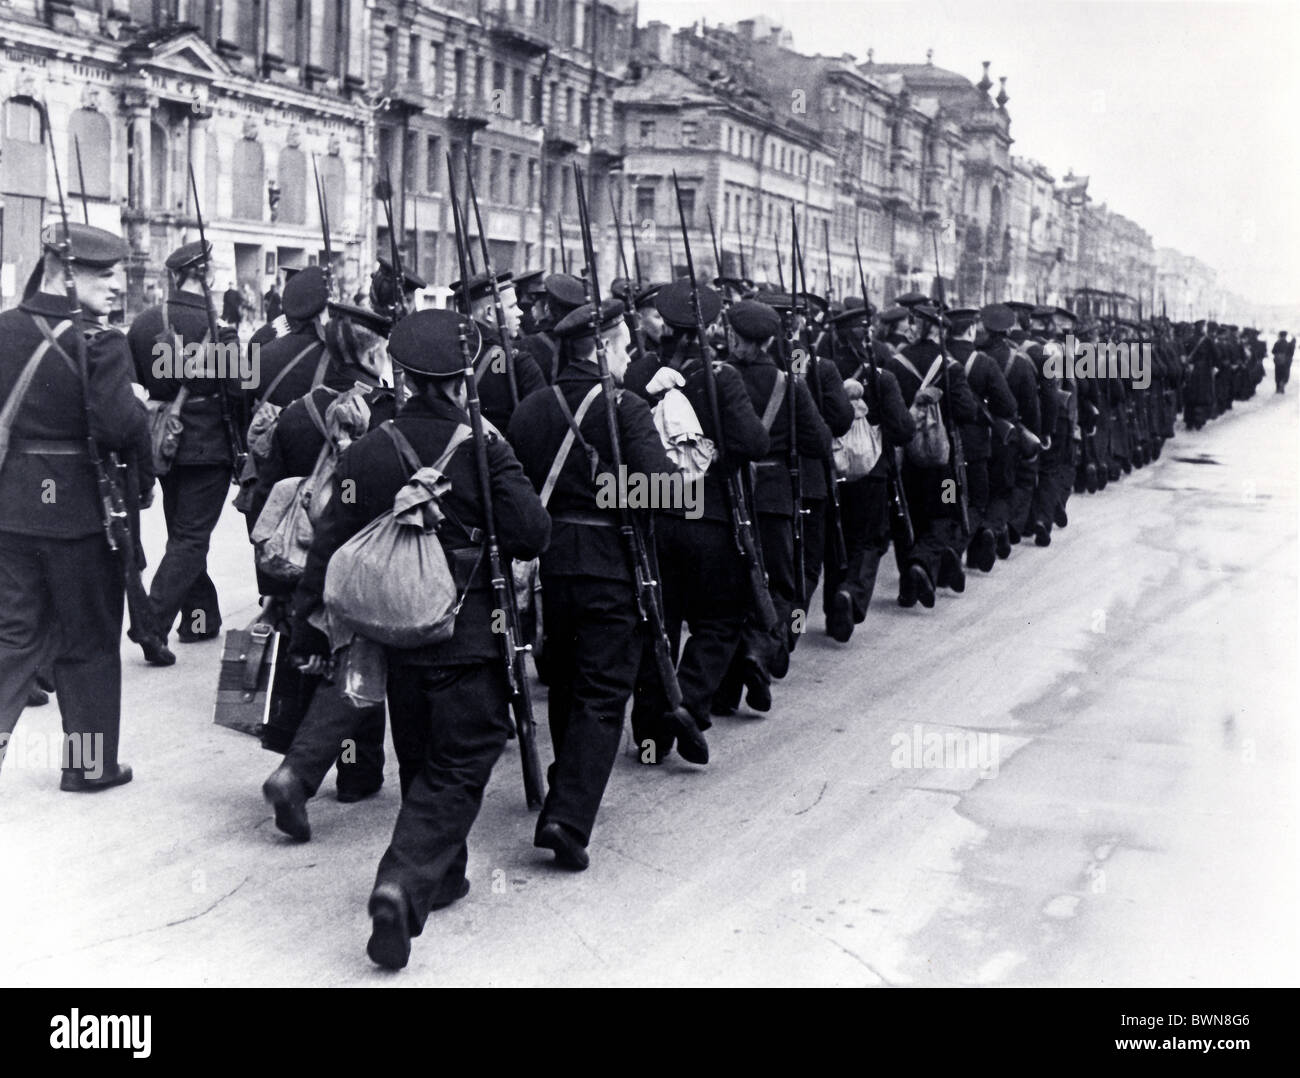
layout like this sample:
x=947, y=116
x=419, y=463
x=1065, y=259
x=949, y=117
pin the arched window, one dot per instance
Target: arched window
x=293, y=186
x=88, y=131
x=249, y=181
x=22, y=149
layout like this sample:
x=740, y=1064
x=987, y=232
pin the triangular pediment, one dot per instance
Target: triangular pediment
x=185, y=54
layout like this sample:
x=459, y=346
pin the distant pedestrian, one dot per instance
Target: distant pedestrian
x=231, y=302
x=1283, y=351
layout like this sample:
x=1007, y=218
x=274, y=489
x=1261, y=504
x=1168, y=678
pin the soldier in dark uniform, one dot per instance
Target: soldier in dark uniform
x=62, y=584
x=449, y=702
x=529, y=290
x=753, y=326
x=995, y=421
x=493, y=372
x=865, y=501
x=562, y=294
x=1011, y=476
x=357, y=396
x=933, y=559
x=593, y=637
x=701, y=569
x=294, y=364
x=196, y=486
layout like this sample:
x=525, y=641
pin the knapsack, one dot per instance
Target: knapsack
x=392, y=582
x=929, y=445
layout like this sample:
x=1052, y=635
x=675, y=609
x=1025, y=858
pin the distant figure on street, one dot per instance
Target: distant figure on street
x=272, y=302
x=231, y=302
x=1283, y=353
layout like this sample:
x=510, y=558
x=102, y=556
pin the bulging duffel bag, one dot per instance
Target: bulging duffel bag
x=391, y=582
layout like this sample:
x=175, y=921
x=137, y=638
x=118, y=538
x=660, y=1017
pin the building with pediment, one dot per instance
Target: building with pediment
x=252, y=96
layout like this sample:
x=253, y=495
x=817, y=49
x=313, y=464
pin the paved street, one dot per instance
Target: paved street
x=1135, y=822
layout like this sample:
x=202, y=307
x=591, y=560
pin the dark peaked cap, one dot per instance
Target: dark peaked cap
x=997, y=317
x=306, y=294
x=428, y=342
x=577, y=323
x=94, y=247
x=187, y=255
x=753, y=320
x=674, y=303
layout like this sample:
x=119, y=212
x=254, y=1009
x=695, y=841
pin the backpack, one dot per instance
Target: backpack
x=859, y=448
x=929, y=445
x=392, y=582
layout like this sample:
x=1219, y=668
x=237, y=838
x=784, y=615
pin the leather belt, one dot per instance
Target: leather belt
x=591, y=520
x=48, y=447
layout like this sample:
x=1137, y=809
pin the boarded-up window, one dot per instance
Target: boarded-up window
x=293, y=186
x=22, y=150
x=248, y=181
x=88, y=131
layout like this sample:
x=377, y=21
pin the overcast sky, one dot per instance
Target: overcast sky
x=1184, y=115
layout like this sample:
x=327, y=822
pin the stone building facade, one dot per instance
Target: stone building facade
x=249, y=95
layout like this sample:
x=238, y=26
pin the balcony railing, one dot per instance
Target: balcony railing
x=471, y=110
x=524, y=33
x=563, y=137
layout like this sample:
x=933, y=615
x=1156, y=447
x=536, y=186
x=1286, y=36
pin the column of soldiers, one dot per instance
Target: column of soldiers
x=565, y=383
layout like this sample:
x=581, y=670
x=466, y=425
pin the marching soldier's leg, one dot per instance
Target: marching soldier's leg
x=193, y=497
x=605, y=648
x=25, y=624
x=816, y=531
x=361, y=763
x=777, y=533
x=979, y=550
x=466, y=710
x=88, y=596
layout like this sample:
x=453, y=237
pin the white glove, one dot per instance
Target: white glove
x=665, y=378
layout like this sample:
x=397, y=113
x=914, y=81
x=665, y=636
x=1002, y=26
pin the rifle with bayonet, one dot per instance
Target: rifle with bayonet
x=503, y=591
x=897, y=495
x=795, y=358
x=838, y=547
x=235, y=430
x=322, y=205
x=954, y=430
x=564, y=253
x=503, y=328
x=630, y=314
x=713, y=235
x=645, y=571
x=738, y=499
x=384, y=192
x=114, y=475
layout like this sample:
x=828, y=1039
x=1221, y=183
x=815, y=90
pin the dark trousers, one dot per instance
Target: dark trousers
x=193, y=497
x=593, y=647
x=977, y=493
x=864, y=508
x=816, y=535
x=1002, y=483
x=936, y=522
x=450, y=724
x=1022, y=494
x=704, y=587
x=335, y=731
x=62, y=600
x=1281, y=374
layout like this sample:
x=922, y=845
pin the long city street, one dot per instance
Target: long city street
x=1131, y=818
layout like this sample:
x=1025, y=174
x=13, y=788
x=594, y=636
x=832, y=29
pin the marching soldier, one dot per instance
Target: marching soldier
x=702, y=571
x=753, y=326
x=195, y=486
x=864, y=502
x=357, y=395
x=995, y=421
x=294, y=364
x=449, y=702
x=593, y=638
x=62, y=584
x=494, y=376
x=562, y=293
x=1012, y=474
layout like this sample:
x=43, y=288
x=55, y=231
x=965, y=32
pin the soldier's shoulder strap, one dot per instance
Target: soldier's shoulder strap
x=9, y=412
x=572, y=435
x=284, y=373
x=774, y=401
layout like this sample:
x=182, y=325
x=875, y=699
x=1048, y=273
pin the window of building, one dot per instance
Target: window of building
x=293, y=187
x=494, y=176
x=569, y=105
x=435, y=86
x=413, y=58
x=532, y=181
x=645, y=204
x=88, y=131
x=535, y=105
x=432, y=163
x=518, y=103
x=249, y=181
x=512, y=181
x=688, y=206
x=458, y=67
x=647, y=132
x=690, y=130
